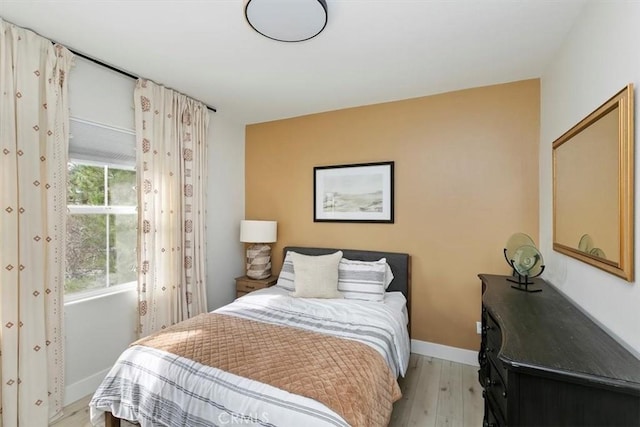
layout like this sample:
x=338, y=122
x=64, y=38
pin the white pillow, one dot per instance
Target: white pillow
x=363, y=280
x=316, y=276
x=287, y=277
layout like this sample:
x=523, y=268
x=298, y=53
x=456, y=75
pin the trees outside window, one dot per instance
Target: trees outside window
x=101, y=227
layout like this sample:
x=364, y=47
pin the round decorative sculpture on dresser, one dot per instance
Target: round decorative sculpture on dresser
x=525, y=261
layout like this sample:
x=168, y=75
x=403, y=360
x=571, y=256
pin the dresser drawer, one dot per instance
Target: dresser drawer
x=493, y=345
x=491, y=419
x=496, y=390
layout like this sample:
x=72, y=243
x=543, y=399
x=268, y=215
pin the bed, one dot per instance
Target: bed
x=300, y=361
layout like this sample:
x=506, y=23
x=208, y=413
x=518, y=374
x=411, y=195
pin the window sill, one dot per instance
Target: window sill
x=99, y=293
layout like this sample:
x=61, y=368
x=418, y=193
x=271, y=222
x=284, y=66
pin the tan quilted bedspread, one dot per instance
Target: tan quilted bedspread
x=347, y=376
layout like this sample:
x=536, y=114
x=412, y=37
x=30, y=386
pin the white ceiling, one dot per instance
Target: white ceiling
x=371, y=50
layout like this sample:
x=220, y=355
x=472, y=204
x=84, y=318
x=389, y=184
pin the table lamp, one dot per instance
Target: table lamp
x=259, y=233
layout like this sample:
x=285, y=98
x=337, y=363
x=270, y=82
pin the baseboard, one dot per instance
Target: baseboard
x=454, y=354
x=84, y=387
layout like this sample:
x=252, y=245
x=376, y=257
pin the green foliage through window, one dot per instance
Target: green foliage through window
x=101, y=237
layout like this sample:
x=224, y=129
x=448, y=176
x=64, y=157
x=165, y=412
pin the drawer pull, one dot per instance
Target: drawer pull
x=249, y=287
x=504, y=394
x=491, y=382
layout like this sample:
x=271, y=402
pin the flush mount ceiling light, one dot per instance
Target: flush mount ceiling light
x=287, y=20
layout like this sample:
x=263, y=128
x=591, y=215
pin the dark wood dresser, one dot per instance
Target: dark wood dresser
x=544, y=363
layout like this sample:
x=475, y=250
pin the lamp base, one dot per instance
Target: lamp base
x=258, y=261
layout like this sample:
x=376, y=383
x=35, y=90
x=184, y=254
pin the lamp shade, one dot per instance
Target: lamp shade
x=258, y=231
x=287, y=20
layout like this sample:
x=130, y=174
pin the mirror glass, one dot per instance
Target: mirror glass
x=593, y=188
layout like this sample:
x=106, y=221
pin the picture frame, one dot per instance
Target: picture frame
x=360, y=192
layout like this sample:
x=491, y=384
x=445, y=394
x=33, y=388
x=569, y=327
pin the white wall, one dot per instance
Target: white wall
x=97, y=330
x=225, y=209
x=599, y=57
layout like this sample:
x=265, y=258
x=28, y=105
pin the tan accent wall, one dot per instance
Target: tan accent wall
x=466, y=178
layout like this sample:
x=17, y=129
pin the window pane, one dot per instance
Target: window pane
x=122, y=187
x=86, y=252
x=86, y=185
x=122, y=252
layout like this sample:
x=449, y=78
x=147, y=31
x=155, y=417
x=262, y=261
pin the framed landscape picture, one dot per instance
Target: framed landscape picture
x=353, y=193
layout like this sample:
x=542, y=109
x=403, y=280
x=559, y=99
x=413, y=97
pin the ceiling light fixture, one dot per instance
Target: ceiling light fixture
x=287, y=20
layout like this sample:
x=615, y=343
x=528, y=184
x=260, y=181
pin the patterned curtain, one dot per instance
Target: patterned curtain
x=171, y=144
x=34, y=136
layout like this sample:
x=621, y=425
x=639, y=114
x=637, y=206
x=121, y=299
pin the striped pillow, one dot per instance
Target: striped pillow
x=286, y=278
x=363, y=280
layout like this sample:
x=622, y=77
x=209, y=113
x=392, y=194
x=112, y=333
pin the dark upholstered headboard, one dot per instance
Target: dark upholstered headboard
x=400, y=264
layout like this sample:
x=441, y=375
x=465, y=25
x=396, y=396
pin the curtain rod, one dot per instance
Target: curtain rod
x=117, y=70
x=97, y=61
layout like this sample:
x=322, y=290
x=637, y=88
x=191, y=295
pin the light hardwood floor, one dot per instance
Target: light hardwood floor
x=435, y=393
x=438, y=393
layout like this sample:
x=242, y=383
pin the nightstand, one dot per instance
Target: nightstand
x=244, y=285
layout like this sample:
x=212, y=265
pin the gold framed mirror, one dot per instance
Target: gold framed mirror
x=593, y=196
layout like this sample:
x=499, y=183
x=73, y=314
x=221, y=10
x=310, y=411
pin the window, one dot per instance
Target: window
x=101, y=227
x=102, y=214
